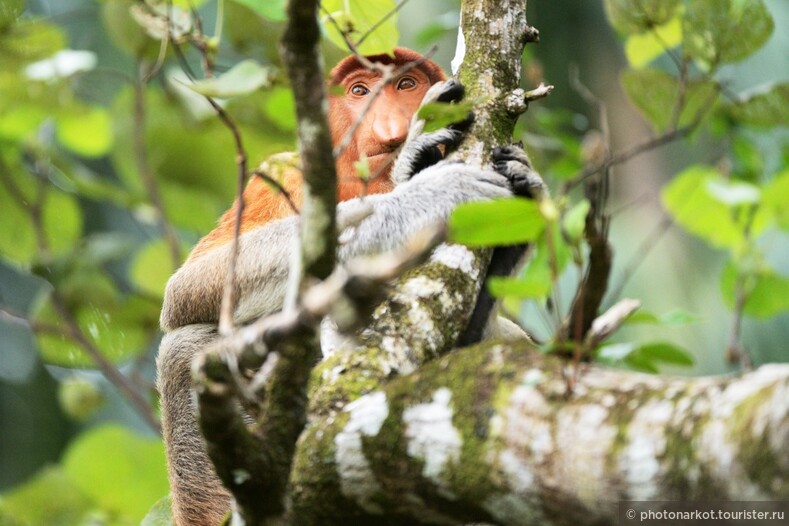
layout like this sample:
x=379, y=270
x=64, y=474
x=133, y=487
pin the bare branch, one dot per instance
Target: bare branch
x=144, y=167
x=378, y=24
x=110, y=372
x=607, y=323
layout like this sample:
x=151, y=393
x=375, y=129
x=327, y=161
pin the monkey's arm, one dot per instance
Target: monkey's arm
x=193, y=294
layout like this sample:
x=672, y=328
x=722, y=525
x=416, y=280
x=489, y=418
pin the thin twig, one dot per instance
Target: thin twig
x=735, y=350
x=116, y=378
x=378, y=24
x=145, y=171
x=229, y=292
x=649, y=144
x=17, y=318
x=649, y=242
x=388, y=75
x=73, y=330
x=257, y=172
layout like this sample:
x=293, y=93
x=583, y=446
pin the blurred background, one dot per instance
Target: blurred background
x=105, y=239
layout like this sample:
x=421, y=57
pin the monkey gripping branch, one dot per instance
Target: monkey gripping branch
x=402, y=429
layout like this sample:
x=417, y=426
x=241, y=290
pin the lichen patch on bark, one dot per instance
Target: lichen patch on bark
x=357, y=480
x=433, y=438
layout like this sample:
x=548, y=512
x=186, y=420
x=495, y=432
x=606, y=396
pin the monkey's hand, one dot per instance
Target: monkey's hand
x=422, y=150
x=513, y=163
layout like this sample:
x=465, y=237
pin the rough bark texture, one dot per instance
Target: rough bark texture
x=491, y=40
x=301, y=55
x=490, y=434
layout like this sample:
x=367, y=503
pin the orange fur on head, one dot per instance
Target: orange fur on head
x=381, y=131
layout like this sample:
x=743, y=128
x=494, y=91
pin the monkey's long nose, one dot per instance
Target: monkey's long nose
x=390, y=128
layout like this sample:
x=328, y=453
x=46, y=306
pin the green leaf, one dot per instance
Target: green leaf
x=191, y=207
x=497, y=222
x=646, y=357
x=767, y=106
x=767, y=293
x=152, y=267
x=674, y=317
x=775, y=199
x=86, y=132
x=355, y=18
x=195, y=158
x=193, y=4
x=17, y=236
x=665, y=353
x=717, y=31
x=61, y=218
x=79, y=398
x=748, y=159
x=615, y=352
x=20, y=121
x=635, y=16
x=119, y=329
x=249, y=33
x=574, y=221
x=245, y=77
x=270, y=9
x=435, y=29
x=641, y=49
x=536, y=285
x=438, y=115
x=62, y=222
x=9, y=12
x=125, y=32
x=28, y=41
x=280, y=108
x=160, y=515
x=122, y=472
x=49, y=498
x=94, y=186
x=655, y=94
x=536, y=279
x=688, y=199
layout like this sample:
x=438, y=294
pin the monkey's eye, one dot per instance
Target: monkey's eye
x=406, y=83
x=360, y=90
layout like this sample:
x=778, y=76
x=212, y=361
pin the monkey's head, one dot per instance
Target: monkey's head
x=385, y=126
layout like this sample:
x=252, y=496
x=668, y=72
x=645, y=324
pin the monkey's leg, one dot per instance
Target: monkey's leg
x=197, y=495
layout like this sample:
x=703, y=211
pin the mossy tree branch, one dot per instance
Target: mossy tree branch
x=489, y=434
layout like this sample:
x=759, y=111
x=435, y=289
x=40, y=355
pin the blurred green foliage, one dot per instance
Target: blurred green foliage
x=91, y=135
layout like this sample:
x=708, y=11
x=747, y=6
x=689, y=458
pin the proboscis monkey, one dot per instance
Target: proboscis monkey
x=377, y=138
x=419, y=191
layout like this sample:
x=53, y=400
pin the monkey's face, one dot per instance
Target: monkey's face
x=384, y=127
